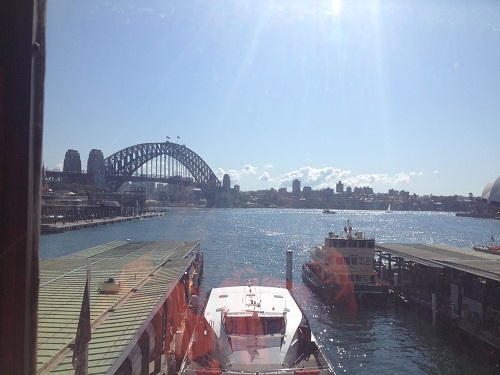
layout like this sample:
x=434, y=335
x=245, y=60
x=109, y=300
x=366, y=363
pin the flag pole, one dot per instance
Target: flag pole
x=83, y=331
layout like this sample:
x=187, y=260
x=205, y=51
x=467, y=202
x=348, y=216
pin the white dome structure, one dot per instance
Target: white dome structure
x=494, y=195
x=486, y=191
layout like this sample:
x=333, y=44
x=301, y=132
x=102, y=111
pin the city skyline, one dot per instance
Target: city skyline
x=390, y=95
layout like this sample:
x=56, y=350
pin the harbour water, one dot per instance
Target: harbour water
x=243, y=244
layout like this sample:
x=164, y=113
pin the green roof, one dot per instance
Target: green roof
x=146, y=271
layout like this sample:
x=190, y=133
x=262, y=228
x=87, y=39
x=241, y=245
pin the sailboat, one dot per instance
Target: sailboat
x=388, y=211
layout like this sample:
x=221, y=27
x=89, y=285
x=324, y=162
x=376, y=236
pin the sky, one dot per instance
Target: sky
x=389, y=94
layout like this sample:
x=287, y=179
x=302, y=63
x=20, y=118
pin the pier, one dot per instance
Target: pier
x=139, y=298
x=456, y=286
x=62, y=226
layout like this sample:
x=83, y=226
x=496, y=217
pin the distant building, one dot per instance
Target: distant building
x=296, y=187
x=328, y=192
x=72, y=162
x=226, y=183
x=404, y=194
x=339, y=188
x=307, y=190
x=393, y=193
x=282, y=190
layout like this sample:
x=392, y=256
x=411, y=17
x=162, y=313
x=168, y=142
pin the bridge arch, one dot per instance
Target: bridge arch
x=126, y=162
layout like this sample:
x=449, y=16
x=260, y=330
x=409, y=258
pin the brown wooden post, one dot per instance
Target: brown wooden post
x=158, y=329
x=22, y=72
x=144, y=346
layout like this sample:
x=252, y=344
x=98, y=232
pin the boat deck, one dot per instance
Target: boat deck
x=146, y=271
x=470, y=261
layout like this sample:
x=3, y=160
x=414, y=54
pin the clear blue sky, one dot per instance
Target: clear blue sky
x=387, y=94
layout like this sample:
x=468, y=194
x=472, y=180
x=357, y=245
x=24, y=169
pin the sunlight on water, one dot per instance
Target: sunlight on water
x=243, y=244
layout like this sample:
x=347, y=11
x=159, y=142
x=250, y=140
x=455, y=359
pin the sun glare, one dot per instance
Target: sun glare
x=336, y=7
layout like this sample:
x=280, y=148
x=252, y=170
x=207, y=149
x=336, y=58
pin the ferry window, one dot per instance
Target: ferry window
x=347, y=260
x=249, y=325
x=354, y=261
x=365, y=261
x=362, y=244
x=274, y=326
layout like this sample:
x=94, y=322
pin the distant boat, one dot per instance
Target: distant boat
x=328, y=211
x=491, y=249
x=388, y=211
x=488, y=249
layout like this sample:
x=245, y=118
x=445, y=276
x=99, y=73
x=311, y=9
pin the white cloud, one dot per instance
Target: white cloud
x=265, y=177
x=248, y=169
x=317, y=178
x=236, y=175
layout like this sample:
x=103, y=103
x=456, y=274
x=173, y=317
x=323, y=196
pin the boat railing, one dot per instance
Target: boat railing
x=286, y=370
x=209, y=362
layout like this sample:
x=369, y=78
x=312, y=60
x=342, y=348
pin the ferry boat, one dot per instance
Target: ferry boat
x=342, y=271
x=251, y=330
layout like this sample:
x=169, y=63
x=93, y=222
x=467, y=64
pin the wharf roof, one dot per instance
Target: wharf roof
x=439, y=255
x=147, y=273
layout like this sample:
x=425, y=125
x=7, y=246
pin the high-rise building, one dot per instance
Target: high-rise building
x=339, y=188
x=226, y=183
x=72, y=162
x=296, y=186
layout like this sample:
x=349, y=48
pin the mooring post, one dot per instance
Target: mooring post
x=289, y=256
x=434, y=309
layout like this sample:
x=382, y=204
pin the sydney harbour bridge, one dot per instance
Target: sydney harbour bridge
x=165, y=162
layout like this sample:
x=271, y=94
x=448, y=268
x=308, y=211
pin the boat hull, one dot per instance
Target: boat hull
x=346, y=294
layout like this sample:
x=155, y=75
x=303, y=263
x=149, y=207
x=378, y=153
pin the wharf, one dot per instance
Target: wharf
x=459, y=286
x=75, y=225
x=130, y=326
x=439, y=255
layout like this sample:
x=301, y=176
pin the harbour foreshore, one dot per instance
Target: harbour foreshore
x=63, y=226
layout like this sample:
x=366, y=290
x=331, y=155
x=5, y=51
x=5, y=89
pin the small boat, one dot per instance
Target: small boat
x=328, y=211
x=341, y=271
x=253, y=330
x=388, y=211
x=488, y=249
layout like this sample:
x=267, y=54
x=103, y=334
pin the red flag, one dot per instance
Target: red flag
x=80, y=351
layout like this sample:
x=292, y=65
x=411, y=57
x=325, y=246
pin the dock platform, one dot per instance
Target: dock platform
x=129, y=323
x=470, y=261
x=458, y=286
x=63, y=226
